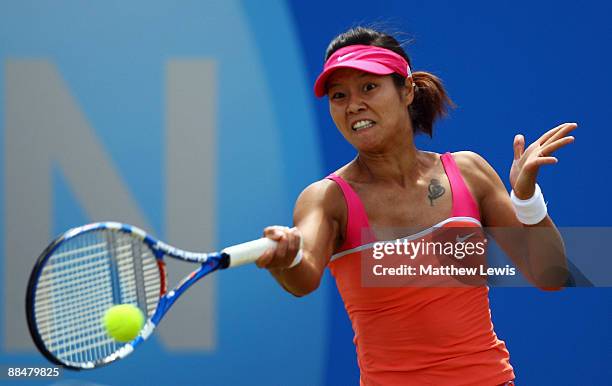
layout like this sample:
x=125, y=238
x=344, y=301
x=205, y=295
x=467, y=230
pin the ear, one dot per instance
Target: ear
x=408, y=91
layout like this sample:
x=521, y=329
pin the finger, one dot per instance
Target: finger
x=293, y=239
x=298, y=235
x=265, y=259
x=281, y=247
x=554, y=146
x=545, y=161
x=563, y=132
x=274, y=232
x=556, y=133
x=519, y=146
x=546, y=136
x=270, y=232
x=531, y=168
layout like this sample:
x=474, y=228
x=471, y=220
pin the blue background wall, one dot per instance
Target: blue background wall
x=511, y=67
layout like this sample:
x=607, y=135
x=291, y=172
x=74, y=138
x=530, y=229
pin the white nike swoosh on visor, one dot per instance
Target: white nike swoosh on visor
x=341, y=58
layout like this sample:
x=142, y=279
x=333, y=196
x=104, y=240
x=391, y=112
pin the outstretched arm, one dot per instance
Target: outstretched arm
x=316, y=219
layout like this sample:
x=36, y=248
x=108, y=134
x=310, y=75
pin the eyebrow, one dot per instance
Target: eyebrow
x=363, y=75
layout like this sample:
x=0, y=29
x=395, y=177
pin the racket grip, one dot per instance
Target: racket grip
x=248, y=252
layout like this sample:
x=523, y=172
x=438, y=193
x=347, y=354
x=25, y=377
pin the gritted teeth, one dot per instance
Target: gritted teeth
x=362, y=124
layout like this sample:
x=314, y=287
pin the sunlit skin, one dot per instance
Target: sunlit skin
x=390, y=174
x=386, y=150
x=356, y=95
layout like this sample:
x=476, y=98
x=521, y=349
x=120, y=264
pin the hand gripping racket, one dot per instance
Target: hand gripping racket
x=89, y=269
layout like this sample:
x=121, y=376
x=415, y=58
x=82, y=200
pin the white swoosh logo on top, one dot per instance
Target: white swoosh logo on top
x=341, y=58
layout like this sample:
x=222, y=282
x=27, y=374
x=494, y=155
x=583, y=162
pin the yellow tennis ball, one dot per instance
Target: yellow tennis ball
x=123, y=322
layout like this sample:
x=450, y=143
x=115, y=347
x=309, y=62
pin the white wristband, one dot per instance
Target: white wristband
x=532, y=210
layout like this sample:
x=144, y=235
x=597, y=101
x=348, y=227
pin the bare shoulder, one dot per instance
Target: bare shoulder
x=323, y=195
x=470, y=160
x=321, y=191
x=321, y=206
x=477, y=172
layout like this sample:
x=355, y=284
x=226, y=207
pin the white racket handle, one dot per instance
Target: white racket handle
x=250, y=251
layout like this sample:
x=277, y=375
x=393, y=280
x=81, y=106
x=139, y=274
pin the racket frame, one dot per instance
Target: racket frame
x=209, y=263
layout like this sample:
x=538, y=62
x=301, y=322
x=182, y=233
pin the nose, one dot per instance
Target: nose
x=355, y=105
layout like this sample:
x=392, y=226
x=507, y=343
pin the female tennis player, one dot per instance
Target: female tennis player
x=409, y=335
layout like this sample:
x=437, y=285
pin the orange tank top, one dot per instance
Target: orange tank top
x=418, y=335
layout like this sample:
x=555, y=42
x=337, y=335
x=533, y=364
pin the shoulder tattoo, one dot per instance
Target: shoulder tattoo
x=435, y=190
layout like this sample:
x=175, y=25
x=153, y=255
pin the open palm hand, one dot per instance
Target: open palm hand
x=527, y=162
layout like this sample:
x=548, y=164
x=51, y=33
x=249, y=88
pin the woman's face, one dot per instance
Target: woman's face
x=368, y=109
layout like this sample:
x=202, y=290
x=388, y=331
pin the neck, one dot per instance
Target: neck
x=401, y=165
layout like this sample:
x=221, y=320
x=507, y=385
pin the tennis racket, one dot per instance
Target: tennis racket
x=91, y=268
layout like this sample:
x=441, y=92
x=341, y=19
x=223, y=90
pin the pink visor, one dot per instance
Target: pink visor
x=372, y=59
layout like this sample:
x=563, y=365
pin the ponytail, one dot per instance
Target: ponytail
x=430, y=102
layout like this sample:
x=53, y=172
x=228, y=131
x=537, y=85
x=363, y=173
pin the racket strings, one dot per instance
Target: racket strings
x=140, y=276
x=80, y=281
